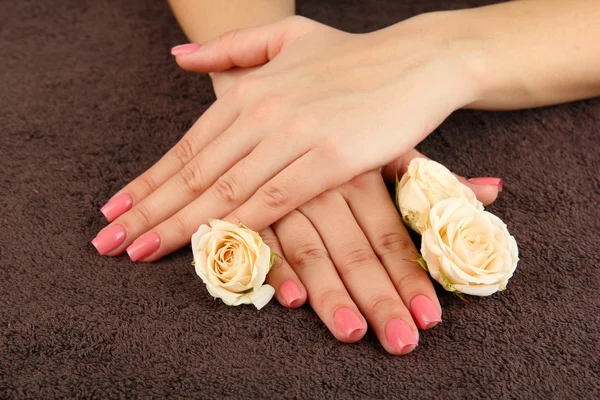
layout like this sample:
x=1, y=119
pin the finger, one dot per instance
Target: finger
x=485, y=189
x=182, y=189
x=228, y=192
x=379, y=220
x=363, y=275
x=327, y=295
x=242, y=48
x=217, y=119
x=292, y=187
x=288, y=289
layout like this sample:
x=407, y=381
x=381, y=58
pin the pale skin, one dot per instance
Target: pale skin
x=338, y=97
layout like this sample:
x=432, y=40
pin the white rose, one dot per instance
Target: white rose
x=425, y=183
x=233, y=262
x=468, y=250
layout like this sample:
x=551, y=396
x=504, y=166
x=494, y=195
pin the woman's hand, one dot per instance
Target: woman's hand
x=348, y=251
x=327, y=107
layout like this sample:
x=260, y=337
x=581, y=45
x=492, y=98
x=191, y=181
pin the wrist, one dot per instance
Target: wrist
x=467, y=55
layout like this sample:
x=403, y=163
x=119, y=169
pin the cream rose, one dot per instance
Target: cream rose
x=233, y=262
x=468, y=250
x=425, y=183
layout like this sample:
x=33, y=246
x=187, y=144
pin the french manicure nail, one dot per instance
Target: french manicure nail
x=143, y=246
x=290, y=292
x=347, y=321
x=184, y=49
x=487, y=181
x=117, y=206
x=424, y=312
x=109, y=239
x=400, y=336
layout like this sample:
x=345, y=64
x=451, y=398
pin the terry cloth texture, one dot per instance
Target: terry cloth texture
x=90, y=98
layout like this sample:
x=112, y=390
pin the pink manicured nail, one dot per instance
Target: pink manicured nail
x=184, y=49
x=424, y=312
x=290, y=292
x=109, y=239
x=347, y=321
x=144, y=246
x=487, y=181
x=400, y=335
x=117, y=206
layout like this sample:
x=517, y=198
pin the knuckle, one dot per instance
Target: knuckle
x=393, y=243
x=409, y=279
x=329, y=298
x=191, y=177
x=178, y=226
x=183, y=152
x=308, y=254
x=269, y=239
x=149, y=181
x=356, y=259
x=383, y=303
x=364, y=182
x=226, y=190
x=274, y=197
x=142, y=214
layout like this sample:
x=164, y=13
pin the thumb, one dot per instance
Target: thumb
x=244, y=48
x=485, y=188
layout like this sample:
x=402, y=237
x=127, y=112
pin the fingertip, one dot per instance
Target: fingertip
x=291, y=294
x=350, y=326
x=184, y=49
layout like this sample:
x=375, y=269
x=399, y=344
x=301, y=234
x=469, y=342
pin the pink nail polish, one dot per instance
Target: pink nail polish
x=487, y=181
x=290, y=292
x=109, y=239
x=184, y=49
x=424, y=312
x=400, y=336
x=117, y=206
x=144, y=246
x=348, y=322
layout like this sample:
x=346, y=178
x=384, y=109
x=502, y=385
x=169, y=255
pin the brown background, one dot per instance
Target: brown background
x=90, y=97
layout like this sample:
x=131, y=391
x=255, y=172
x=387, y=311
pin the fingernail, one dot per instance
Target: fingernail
x=143, y=246
x=347, y=321
x=109, y=239
x=400, y=336
x=424, y=312
x=290, y=292
x=487, y=181
x=117, y=206
x=184, y=49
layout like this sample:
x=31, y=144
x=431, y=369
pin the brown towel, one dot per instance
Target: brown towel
x=90, y=98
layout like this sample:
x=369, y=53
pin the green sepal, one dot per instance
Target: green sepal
x=405, y=220
x=244, y=226
x=462, y=297
x=446, y=284
x=421, y=261
x=193, y=262
x=273, y=257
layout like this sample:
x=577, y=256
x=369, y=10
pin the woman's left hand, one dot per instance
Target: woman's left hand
x=349, y=253
x=327, y=107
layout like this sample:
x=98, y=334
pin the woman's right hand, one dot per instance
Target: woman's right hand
x=349, y=253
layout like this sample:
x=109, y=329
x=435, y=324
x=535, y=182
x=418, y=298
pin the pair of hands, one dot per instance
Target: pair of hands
x=350, y=279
